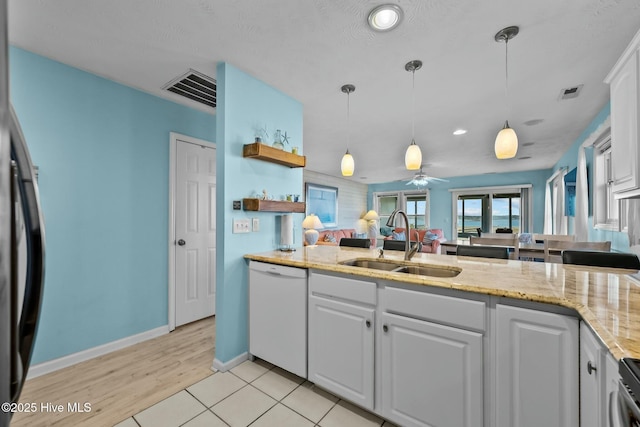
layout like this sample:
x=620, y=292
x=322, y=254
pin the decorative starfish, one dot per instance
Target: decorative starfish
x=285, y=138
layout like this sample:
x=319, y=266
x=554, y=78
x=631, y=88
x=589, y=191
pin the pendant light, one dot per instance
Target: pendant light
x=413, y=156
x=506, y=145
x=347, y=165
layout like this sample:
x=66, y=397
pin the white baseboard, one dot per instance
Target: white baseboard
x=223, y=367
x=84, y=355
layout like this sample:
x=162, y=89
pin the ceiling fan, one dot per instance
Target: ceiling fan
x=421, y=179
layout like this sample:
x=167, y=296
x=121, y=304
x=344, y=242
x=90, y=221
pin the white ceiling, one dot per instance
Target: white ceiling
x=309, y=48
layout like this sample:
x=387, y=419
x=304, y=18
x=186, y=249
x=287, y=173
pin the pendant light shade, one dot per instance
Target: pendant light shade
x=347, y=165
x=506, y=145
x=413, y=157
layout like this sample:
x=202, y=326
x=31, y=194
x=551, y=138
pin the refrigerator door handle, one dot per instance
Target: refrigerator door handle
x=34, y=232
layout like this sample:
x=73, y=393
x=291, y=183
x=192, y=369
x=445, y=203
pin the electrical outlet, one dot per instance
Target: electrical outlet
x=241, y=225
x=255, y=224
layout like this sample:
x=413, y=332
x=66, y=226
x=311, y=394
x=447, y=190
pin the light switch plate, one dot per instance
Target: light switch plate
x=241, y=225
x=255, y=224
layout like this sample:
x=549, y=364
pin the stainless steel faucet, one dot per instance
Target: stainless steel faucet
x=409, y=251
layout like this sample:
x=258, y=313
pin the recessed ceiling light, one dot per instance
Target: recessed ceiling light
x=385, y=17
x=459, y=131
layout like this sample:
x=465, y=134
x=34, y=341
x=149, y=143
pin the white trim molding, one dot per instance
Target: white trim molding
x=225, y=366
x=90, y=353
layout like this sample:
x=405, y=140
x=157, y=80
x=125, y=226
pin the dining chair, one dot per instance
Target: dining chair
x=355, y=243
x=560, y=245
x=601, y=259
x=398, y=245
x=500, y=252
x=540, y=238
x=507, y=240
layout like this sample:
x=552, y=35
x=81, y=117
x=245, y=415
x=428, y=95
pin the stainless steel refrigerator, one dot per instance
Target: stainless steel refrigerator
x=21, y=244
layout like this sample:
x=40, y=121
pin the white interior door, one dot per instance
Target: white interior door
x=195, y=232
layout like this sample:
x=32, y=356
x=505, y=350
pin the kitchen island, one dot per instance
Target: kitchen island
x=607, y=299
x=507, y=342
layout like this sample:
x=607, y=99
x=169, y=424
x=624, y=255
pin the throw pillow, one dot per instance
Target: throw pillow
x=385, y=231
x=359, y=235
x=526, y=238
x=429, y=237
x=329, y=238
x=399, y=236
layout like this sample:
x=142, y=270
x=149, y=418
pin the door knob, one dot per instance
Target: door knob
x=181, y=242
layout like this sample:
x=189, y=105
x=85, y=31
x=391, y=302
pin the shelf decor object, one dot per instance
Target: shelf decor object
x=272, y=206
x=273, y=155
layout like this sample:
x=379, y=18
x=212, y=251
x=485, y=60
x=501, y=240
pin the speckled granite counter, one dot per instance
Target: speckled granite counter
x=607, y=300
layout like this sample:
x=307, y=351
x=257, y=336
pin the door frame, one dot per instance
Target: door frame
x=173, y=149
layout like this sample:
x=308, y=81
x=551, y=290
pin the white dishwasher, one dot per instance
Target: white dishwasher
x=278, y=315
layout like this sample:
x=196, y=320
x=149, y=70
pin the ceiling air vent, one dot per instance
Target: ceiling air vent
x=571, y=92
x=195, y=86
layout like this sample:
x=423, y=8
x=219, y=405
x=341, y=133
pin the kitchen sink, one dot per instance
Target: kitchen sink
x=374, y=264
x=422, y=270
x=399, y=267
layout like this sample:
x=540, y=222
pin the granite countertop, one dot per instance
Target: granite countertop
x=607, y=299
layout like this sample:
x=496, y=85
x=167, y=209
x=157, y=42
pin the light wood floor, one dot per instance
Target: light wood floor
x=123, y=383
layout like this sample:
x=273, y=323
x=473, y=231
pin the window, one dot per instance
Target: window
x=413, y=203
x=491, y=208
x=605, y=206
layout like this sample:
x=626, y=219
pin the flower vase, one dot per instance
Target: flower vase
x=277, y=141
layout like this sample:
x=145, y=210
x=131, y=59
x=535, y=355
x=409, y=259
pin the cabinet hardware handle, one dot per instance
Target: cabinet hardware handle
x=368, y=323
x=590, y=368
x=385, y=328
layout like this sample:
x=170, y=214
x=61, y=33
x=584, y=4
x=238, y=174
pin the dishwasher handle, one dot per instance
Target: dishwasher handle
x=278, y=270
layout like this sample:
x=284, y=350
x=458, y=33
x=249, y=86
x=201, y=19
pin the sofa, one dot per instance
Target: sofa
x=337, y=235
x=431, y=248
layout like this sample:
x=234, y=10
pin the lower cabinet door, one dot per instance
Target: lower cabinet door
x=536, y=368
x=341, y=350
x=432, y=375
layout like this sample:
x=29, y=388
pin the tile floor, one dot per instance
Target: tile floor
x=256, y=394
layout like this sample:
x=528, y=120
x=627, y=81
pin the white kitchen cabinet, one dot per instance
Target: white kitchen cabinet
x=432, y=375
x=536, y=369
x=592, y=380
x=624, y=81
x=341, y=337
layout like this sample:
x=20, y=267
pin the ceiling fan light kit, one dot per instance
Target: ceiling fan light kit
x=347, y=166
x=506, y=145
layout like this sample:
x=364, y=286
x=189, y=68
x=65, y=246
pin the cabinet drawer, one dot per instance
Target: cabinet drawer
x=463, y=313
x=343, y=288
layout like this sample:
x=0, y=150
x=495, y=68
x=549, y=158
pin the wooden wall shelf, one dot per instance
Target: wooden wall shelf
x=267, y=153
x=272, y=206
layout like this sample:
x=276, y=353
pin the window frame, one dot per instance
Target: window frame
x=606, y=209
x=489, y=192
x=402, y=197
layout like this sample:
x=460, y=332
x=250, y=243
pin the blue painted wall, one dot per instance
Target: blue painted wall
x=103, y=153
x=243, y=103
x=441, y=212
x=619, y=241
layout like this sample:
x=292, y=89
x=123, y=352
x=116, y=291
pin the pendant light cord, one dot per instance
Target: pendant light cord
x=413, y=106
x=348, y=121
x=506, y=73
